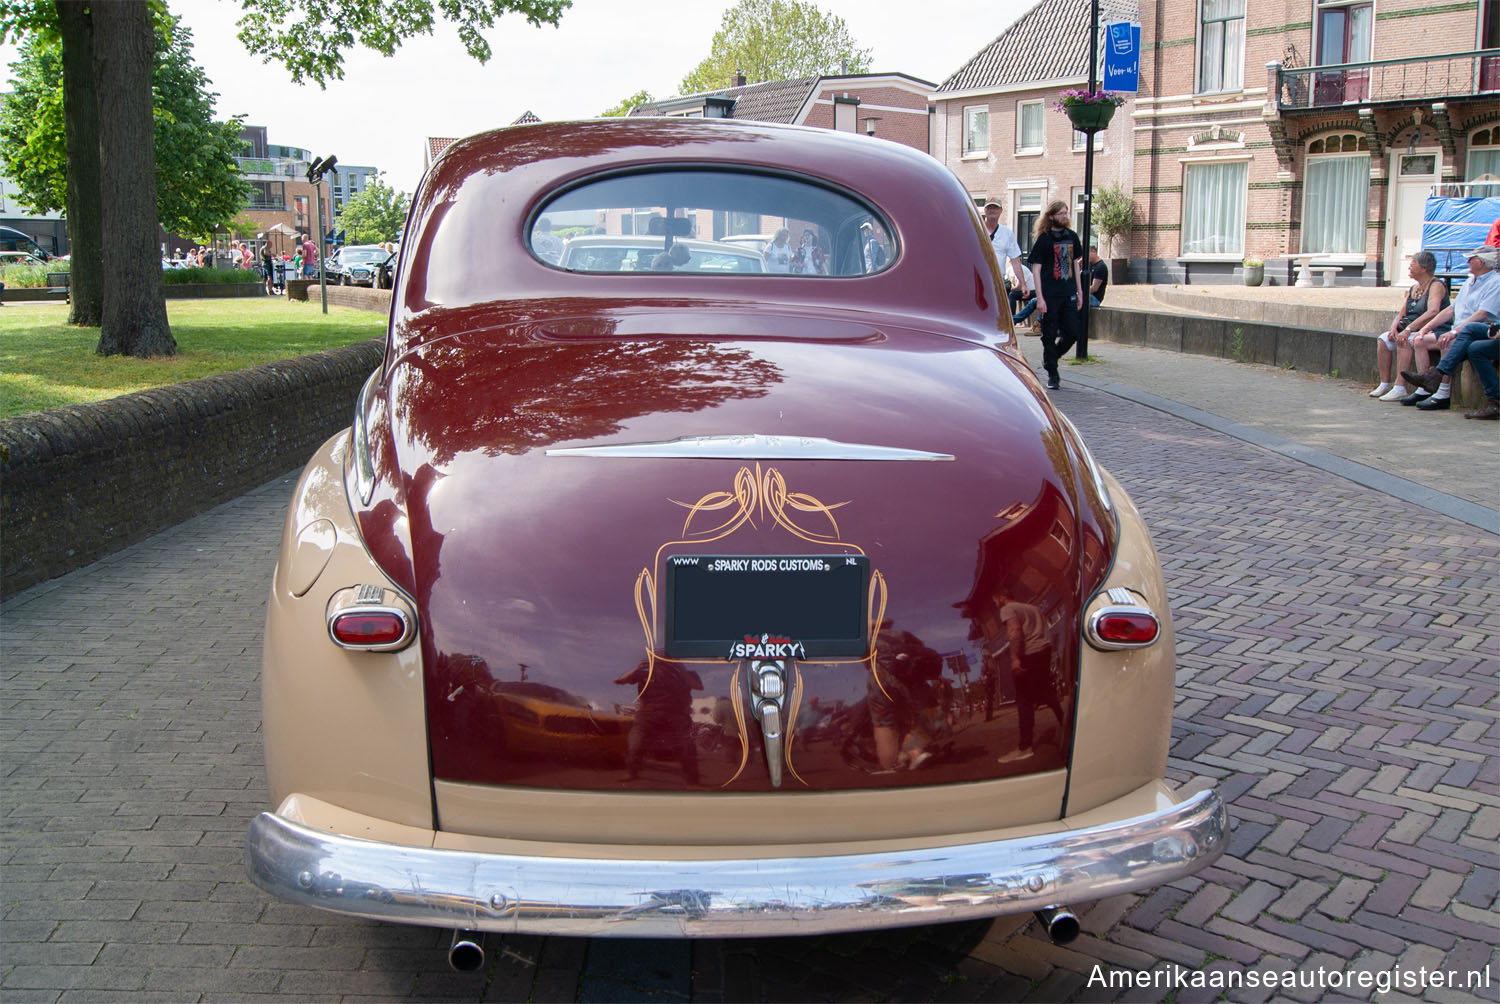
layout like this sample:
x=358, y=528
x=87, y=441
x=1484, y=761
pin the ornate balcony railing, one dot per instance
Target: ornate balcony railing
x=1389, y=81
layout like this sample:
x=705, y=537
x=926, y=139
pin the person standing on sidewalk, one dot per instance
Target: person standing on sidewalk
x=1476, y=307
x=1008, y=249
x=1055, y=257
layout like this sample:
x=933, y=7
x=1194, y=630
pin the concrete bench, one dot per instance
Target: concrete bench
x=1327, y=271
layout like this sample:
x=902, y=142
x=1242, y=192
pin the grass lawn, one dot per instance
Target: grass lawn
x=44, y=363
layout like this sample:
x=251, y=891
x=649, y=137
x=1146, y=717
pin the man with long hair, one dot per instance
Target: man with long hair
x=1055, y=256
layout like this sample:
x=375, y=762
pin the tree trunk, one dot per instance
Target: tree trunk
x=81, y=115
x=135, y=315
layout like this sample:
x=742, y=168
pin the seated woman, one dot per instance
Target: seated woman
x=1427, y=297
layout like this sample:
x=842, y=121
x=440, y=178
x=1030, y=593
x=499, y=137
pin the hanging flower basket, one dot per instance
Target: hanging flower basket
x=1089, y=111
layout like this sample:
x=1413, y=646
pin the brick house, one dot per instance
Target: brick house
x=1306, y=127
x=891, y=106
x=995, y=126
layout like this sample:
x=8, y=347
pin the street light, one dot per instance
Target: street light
x=1082, y=350
x=315, y=172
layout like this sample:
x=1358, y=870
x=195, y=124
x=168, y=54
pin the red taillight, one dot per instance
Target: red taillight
x=1117, y=627
x=368, y=630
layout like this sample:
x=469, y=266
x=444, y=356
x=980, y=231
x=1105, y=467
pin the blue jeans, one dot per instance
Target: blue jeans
x=1016, y=296
x=1483, y=355
x=1093, y=300
x=1459, y=351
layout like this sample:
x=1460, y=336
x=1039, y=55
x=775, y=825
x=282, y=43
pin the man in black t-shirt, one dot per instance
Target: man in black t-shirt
x=1098, y=277
x=1054, y=260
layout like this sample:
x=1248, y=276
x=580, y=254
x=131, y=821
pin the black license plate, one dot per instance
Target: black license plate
x=733, y=606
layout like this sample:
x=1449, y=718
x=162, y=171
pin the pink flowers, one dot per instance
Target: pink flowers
x=1073, y=97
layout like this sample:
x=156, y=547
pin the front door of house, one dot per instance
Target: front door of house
x=1414, y=174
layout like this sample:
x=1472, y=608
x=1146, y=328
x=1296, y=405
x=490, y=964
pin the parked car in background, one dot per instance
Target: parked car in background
x=12, y=240
x=878, y=639
x=355, y=265
x=21, y=258
x=606, y=253
x=752, y=242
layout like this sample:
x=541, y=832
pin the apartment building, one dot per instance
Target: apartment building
x=282, y=201
x=996, y=126
x=1306, y=127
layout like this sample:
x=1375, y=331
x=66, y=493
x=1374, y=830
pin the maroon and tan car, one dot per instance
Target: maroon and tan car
x=686, y=601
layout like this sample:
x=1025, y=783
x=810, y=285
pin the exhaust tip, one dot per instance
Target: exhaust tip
x=1059, y=923
x=466, y=953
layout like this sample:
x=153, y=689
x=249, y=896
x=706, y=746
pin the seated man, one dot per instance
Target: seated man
x=1098, y=277
x=1484, y=353
x=1476, y=307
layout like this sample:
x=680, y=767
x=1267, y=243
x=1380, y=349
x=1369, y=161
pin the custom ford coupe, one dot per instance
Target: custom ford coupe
x=711, y=602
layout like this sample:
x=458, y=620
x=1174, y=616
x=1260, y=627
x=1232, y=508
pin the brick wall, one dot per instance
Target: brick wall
x=902, y=112
x=1057, y=170
x=78, y=483
x=358, y=297
x=1176, y=127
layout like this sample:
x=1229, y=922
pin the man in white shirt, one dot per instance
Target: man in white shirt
x=1007, y=249
x=1476, y=307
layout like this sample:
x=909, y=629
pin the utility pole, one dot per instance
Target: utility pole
x=315, y=172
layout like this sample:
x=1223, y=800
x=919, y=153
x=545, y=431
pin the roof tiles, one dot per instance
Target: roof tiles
x=1048, y=42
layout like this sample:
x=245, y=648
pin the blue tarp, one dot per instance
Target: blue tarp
x=1453, y=227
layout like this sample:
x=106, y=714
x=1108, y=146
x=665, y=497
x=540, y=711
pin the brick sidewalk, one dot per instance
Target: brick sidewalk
x=1337, y=680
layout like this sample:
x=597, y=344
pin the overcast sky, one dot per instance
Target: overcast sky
x=602, y=51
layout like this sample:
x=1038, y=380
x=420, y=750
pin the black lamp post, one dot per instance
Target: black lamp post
x=1082, y=350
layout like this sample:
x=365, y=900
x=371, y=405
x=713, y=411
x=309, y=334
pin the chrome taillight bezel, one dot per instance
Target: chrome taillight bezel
x=1122, y=602
x=372, y=599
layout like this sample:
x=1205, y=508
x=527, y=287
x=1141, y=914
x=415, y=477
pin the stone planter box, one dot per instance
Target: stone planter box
x=14, y=294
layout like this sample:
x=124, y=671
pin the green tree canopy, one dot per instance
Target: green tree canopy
x=309, y=39
x=32, y=151
x=776, y=40
x=374, y=215
x=1113, y=215
x=638, y=98
x=198, y=185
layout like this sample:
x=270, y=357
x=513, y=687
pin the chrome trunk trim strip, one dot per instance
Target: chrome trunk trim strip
x=726, y=897
x=751, y=446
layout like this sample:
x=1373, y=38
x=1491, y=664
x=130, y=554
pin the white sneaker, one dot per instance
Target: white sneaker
x=1396, y=393
x=1381, y=390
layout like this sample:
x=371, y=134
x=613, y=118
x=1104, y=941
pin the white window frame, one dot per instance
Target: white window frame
x=1358, y=255
x=1041, y=107
x=1234, y=256
x=1469, y=173
x=1080, y=144
x=977, y=152
x=1198, y=48
x=1075, y=206
x=1015, y=194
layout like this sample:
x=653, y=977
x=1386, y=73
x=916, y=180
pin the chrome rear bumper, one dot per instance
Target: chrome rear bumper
x=730, y=897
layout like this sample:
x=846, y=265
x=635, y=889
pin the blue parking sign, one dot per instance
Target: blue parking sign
x=1122, y=56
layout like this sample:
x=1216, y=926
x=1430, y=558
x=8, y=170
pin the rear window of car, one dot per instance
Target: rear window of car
x=711, y=222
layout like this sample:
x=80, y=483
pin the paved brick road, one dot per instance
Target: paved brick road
x=1338, y=680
